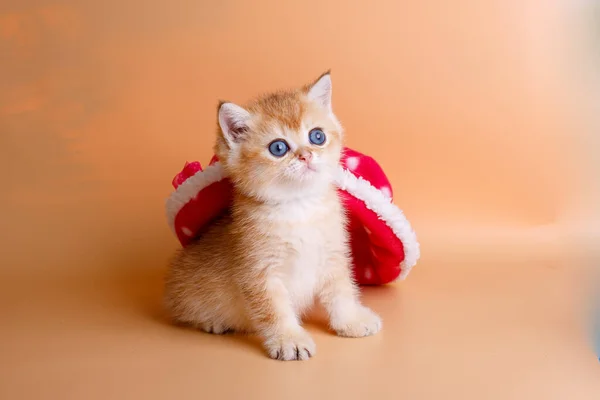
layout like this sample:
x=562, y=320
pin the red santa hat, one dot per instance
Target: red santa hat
x=384, y=246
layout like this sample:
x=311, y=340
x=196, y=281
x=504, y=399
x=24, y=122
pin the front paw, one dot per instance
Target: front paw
x=360, y=323
x=294, y=345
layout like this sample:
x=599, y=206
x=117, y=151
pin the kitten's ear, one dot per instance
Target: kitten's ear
x=233, y=121
x=320, y=91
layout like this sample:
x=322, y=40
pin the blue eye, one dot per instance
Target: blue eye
x=279, y=148
x=316, y=136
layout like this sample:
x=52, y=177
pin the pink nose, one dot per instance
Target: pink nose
x=305, y=156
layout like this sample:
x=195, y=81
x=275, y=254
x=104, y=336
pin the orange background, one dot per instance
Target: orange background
x=480, y=111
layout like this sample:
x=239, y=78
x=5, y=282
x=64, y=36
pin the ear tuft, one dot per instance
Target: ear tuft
x=233, y=121
x=320, y=91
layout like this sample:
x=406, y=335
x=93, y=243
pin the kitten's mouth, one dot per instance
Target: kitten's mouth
x=309, y=167
x=306, y=171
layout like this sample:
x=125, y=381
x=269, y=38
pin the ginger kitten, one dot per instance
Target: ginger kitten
x=284, y=244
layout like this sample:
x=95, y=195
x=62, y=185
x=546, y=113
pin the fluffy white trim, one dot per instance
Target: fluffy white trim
x=387, y=211
x=374, y=199
x=190, y=188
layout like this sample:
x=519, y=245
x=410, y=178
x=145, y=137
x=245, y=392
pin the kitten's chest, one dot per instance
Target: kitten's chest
x=308, y=235
x=305, y=263
x=307, y=228
x=305, y=233
x=308, y=247
x=308, y=244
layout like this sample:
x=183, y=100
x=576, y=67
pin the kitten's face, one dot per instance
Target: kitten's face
x=284, y=146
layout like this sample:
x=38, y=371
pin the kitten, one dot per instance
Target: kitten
x=283, y=244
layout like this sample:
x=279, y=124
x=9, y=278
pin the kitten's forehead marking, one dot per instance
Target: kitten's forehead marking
x=285, y=108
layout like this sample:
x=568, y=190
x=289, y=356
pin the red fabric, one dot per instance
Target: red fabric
x=189, y=169
x=193, y=218
x=376, y=251
x=367, y=169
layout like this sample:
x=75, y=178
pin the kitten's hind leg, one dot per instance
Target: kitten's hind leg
x=196, y=314
x=215, y=328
